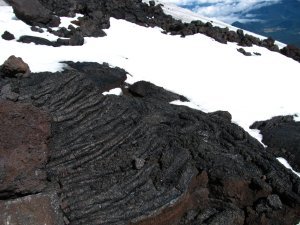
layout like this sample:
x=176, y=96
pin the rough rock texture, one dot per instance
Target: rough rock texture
x=8, y=36
x=74, y=40
x=24, y=133
x=14, y=67
x=140, y=160
x=292, y=52
x=33, y=13
x=103, y=75
x=36, y=40
x=145, y=89
x=282, y=136
x=244, y=52
x=33, y=209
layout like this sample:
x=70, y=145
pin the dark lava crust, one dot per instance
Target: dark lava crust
x=282, y=136
x=135, y=159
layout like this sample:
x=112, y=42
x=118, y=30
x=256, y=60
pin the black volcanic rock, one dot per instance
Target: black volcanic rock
x=145, y=89
x=76, y=40
x=244, y=52
x=269, y=43
x=8, y=36
x=103, y=76
x=140, y=160
x=292, y=52
x=282, y=136
x=33, y=12
x=36, y=40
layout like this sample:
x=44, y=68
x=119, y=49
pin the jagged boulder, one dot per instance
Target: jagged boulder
x=76, y=40
x=33, y=12
x=8, y=36
x=14, y=67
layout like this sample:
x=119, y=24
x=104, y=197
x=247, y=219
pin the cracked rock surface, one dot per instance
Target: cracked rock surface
x=136, y=159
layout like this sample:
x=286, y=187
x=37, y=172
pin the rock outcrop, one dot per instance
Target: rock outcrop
x=292, y=52
x=136, y=159
x=33, y=13
x=282, y=136
x=14, y=67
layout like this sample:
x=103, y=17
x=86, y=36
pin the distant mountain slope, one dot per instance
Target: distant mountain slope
x=281, y=21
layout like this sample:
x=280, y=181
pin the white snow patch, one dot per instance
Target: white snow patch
x=287, y=165
x=188, y=104
x=115, y=91
x=297, y=118
x=67, y=21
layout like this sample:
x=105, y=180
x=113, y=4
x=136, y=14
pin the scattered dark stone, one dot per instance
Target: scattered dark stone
x=36, y=40
x=243, y=51
x=140, y=160
x=282, y=136
x=145, y=89
x=97, y=14
x=76, y=40
x=139, y=163
x=37, y=29
x=14, y=67
x=8, y=36
x=89, y=29
x=33, y=12
x=257, y=53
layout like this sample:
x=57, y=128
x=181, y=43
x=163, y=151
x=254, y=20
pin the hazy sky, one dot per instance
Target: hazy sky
x=225, y=10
